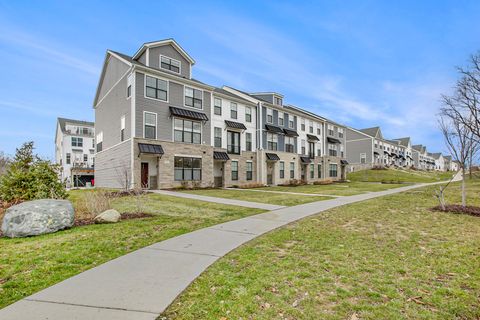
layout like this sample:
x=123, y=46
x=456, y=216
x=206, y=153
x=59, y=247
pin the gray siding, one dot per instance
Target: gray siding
x=110, y=110
x=266, y=97
x=114, y=70
x=161, y=108
x=112, y=164
x=355, y=148
x=281, y=138
x=171, y=52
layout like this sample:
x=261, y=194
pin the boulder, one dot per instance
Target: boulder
x=37, y=217
x=108, y=216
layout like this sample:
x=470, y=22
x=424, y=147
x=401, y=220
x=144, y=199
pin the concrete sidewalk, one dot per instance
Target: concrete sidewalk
x=288, y=192
x=142, y=284
x=233, y=202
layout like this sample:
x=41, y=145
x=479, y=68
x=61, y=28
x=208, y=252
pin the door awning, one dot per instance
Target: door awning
x=311, y=137
x=333, y=140
x=272, y=156
x=305, y=160
x=219, y=155
x=150, y=148
x=344, y=162
x=273, y=129
x=290, y=133
x=188, y=114
x=235, y=125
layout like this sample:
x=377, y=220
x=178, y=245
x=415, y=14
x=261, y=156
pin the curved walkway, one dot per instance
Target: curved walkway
x=142, y=284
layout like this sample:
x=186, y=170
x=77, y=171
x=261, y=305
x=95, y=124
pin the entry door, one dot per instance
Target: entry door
x=144, y=174
x=270, y=173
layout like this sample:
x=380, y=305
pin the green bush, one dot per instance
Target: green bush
x=28, y=178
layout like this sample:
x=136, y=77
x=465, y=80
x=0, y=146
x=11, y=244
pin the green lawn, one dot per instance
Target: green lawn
x=30, y=264
x=339, y=189
x=397, y=175
x=386, y=258
x=262, y=197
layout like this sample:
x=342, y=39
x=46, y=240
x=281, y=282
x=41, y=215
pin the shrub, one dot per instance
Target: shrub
x=96, y=203
x=294, y=183
x=252, y=185
x=323, y=182
x=28, y=178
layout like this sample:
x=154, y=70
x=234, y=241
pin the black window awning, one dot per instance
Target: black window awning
x=410, y=157
x=386, y=152
x=272, y=156
x=333, y=140
x=218, y=155
x=393, y=154
x=376, y=153
x=273, y=129
x=235, y=125
x=188, y=114
x=344, y=162
x=311, y=137
x=150, y=148
x=305, y=159
x=290, y=133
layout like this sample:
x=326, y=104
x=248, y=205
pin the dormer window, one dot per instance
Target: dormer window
x=169, y=64
x=278, y=101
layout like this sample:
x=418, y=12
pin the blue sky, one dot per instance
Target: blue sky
x=361, y=63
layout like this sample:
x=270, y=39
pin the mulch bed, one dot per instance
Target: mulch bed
x=125, y=216
x=458, y=209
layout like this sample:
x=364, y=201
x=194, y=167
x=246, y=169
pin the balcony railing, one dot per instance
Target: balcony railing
x=234, y=149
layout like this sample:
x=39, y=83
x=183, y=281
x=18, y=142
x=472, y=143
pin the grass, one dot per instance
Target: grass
x=255, y=196
x=339, y=189
x=30, y=264
x=397, y=175
x=386, y=258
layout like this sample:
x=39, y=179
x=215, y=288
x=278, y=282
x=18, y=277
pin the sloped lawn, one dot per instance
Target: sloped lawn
x=386, y=258
x=399, y=176
x=30, y=264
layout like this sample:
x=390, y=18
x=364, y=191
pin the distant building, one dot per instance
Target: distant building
x=75, y=151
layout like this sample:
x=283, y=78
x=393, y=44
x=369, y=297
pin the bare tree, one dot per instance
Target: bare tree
x=460, y=141
x=124, y=175
x=4, y=161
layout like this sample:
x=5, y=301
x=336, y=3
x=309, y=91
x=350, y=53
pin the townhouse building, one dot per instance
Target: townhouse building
x=440, y=162
x=157, y=127
x=422, y=159
x=75, y=151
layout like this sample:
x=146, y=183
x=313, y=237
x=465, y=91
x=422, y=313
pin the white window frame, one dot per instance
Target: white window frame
x=145, y=88
x=184, y=95
x=156, y=124
x=281, y=115
x=269, y=114
x=179, y=64
x=249, y=109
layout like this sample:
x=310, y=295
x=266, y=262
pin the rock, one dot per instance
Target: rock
x=108, y=216
x=37, y=217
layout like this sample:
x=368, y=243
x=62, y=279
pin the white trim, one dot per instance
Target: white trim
x=184, y=95
x=354, y=140
x=156, y=124
x=164, y=42
x=147, y=57
x=115, y=145
x=113, y=87
x=188, y=156
x=145, y=88
x=183, y=119
x=179, y=64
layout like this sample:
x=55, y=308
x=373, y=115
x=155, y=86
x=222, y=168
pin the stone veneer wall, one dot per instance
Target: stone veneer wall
x=165, y=171
x=242, y=169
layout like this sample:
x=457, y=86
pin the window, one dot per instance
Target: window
x=278, y=101
x=269, y=115
x=193, y=98
x=289, y=144
x=233, y=142
x=280, y=119
x=156, y=88
x=291, y=123
x=340, y=132
x=282, y=169
x=319, y=169
x=292, y=170
x=234, y=167
x=122, y=128
x=129, y=91
x=77, y=142
x=272, y=141
x=330, y=130
x=311, y=150
x=85, y=158
x=69, y=157
x=217, y=106
x=248, y=114
x=99, y=141
x=233, y=110
x=249, y=170
x=217, y=137
x=312, y=171
x=303, y=146
x=332, y=150
x=302, y=124
x=170, y=64
x=363, y=158
x=187, y=169
x=341, y=151
x=319, y=131
x=310, y=129
x=248, y=140
x=333, y=170
x=150, y=122
x=187, y=131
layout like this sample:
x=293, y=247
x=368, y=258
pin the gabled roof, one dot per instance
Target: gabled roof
x=373, y=132
x=221, y=91
x=403, y=141
x=63, y=121
x=436, y=155
x=419, y=148
x=448, y=158
x=159, y=43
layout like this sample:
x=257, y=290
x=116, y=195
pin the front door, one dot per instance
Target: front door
x=269, y=173
x=144, y=175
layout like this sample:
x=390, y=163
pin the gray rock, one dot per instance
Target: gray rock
x=37, y=217
x=108, y=216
